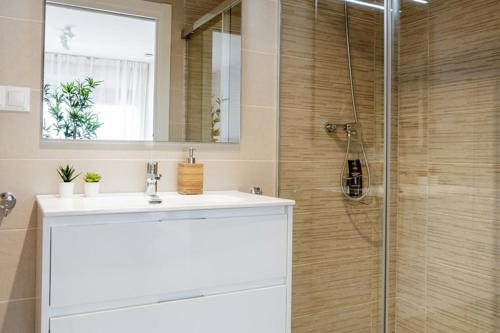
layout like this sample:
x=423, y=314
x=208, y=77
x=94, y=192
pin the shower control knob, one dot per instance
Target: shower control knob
x=256, y=190
x=329, y=127
x=7, y=204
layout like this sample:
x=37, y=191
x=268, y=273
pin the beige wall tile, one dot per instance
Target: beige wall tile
x=461, y=299
x=17, y=259
x=22, y=9
x=258, y=128
x=260, y=29
x=467, y=243
x=259, y=79
x=355, y=319
x=17, y=316
x=410, y=317
x=332, y=285
x=447, y=215
x=222, y=175
x=21, y=63
x=336, y=242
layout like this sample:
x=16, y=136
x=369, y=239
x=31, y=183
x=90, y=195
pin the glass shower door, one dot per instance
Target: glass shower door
x=338, y=222
x=448, y=229
x=415, y=86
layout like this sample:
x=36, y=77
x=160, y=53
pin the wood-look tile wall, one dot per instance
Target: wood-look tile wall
x=448, y=265
x=336, y=258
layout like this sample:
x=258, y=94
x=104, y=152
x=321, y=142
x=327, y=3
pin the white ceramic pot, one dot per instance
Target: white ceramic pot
x=91, y=189
x=66, y=189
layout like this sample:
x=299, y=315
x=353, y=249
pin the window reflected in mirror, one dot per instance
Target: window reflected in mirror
x=127, y=70
x=97, y=83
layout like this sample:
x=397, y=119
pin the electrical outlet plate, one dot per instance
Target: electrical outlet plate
x=14, y=99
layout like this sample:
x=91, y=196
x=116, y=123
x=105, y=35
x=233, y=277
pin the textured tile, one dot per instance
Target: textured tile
x=25, y=40
x=333, y=285
x=259, y=79
x=355, y=319
x=260, y=30
x=465, y=243
x=17, y=259
x=410, y=317
x=23, y=9
x=448, y=250
x=461, y=301
x=17, y=316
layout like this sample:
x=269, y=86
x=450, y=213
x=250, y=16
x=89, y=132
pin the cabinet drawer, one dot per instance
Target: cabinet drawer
x=169, y=259
x=258, y=311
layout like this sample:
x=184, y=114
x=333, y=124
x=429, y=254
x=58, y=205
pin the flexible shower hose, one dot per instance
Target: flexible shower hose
x=355, y=116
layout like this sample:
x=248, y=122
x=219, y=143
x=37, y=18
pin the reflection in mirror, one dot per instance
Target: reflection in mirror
x=98, y=85
x=213, y=79
x=107, y=70
x=101, y=68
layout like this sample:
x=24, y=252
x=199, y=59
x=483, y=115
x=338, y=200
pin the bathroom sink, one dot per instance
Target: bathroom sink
x=209, y=198
x=53, y=205
x=127, y=200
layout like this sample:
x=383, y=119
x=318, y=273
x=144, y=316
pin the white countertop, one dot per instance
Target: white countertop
x=113, y=203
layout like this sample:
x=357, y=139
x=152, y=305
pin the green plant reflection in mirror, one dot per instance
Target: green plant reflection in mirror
x=70, y=107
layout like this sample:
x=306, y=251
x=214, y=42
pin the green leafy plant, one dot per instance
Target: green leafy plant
x=92, y=177
x=70, y=104
x=67, y=173
x=215, y=122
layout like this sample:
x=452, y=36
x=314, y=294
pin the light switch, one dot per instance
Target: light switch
x=15, y=99
x=2, y=97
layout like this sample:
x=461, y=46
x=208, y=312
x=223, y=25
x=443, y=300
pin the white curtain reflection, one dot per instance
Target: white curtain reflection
x=123, y=100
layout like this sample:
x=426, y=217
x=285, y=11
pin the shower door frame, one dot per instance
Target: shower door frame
x=390, y=9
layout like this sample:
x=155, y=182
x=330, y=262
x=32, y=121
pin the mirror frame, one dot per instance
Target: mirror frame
x=114, y=7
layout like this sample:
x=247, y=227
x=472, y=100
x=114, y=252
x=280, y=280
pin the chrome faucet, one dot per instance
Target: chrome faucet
x=7, y=204
x=152, y=178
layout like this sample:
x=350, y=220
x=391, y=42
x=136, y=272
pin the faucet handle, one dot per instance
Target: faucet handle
x=7, y=204
x=152, y=168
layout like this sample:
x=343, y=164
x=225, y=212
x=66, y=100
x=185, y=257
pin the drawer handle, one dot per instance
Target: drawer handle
x=182, y=219
x=180, y=298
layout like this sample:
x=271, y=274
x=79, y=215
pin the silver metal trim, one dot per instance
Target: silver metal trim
x=279, y=29
x=7, y=204
x=228, y=4
x=388, y=31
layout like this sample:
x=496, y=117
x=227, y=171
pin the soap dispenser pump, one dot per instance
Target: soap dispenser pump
x=191, y=159
x=190, y=175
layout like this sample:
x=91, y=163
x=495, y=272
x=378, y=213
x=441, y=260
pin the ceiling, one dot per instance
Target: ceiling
x=77, y=31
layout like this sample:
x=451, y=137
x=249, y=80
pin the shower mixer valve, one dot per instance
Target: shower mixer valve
x=351, y=174
x=349, y=128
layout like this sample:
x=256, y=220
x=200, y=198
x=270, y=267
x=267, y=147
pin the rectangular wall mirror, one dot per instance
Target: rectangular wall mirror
x=128, y=70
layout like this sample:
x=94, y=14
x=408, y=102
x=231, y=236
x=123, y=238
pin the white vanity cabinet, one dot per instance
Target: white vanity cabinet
x=195, y=266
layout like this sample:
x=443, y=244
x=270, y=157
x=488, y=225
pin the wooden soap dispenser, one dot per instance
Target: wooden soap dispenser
x=190, y=176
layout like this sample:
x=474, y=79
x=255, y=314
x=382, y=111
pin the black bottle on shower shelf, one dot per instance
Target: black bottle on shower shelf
x=355, y=179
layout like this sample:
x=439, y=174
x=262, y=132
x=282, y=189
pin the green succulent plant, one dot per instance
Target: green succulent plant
x=92, y=177
x=67, y=173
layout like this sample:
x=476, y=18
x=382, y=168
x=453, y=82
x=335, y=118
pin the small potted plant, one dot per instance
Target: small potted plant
x=67, y=175
x=92, y=180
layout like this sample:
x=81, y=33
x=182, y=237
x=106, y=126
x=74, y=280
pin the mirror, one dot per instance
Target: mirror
x=121, y=70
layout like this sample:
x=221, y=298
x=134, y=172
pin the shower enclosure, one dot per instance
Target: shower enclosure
x=389, y=136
